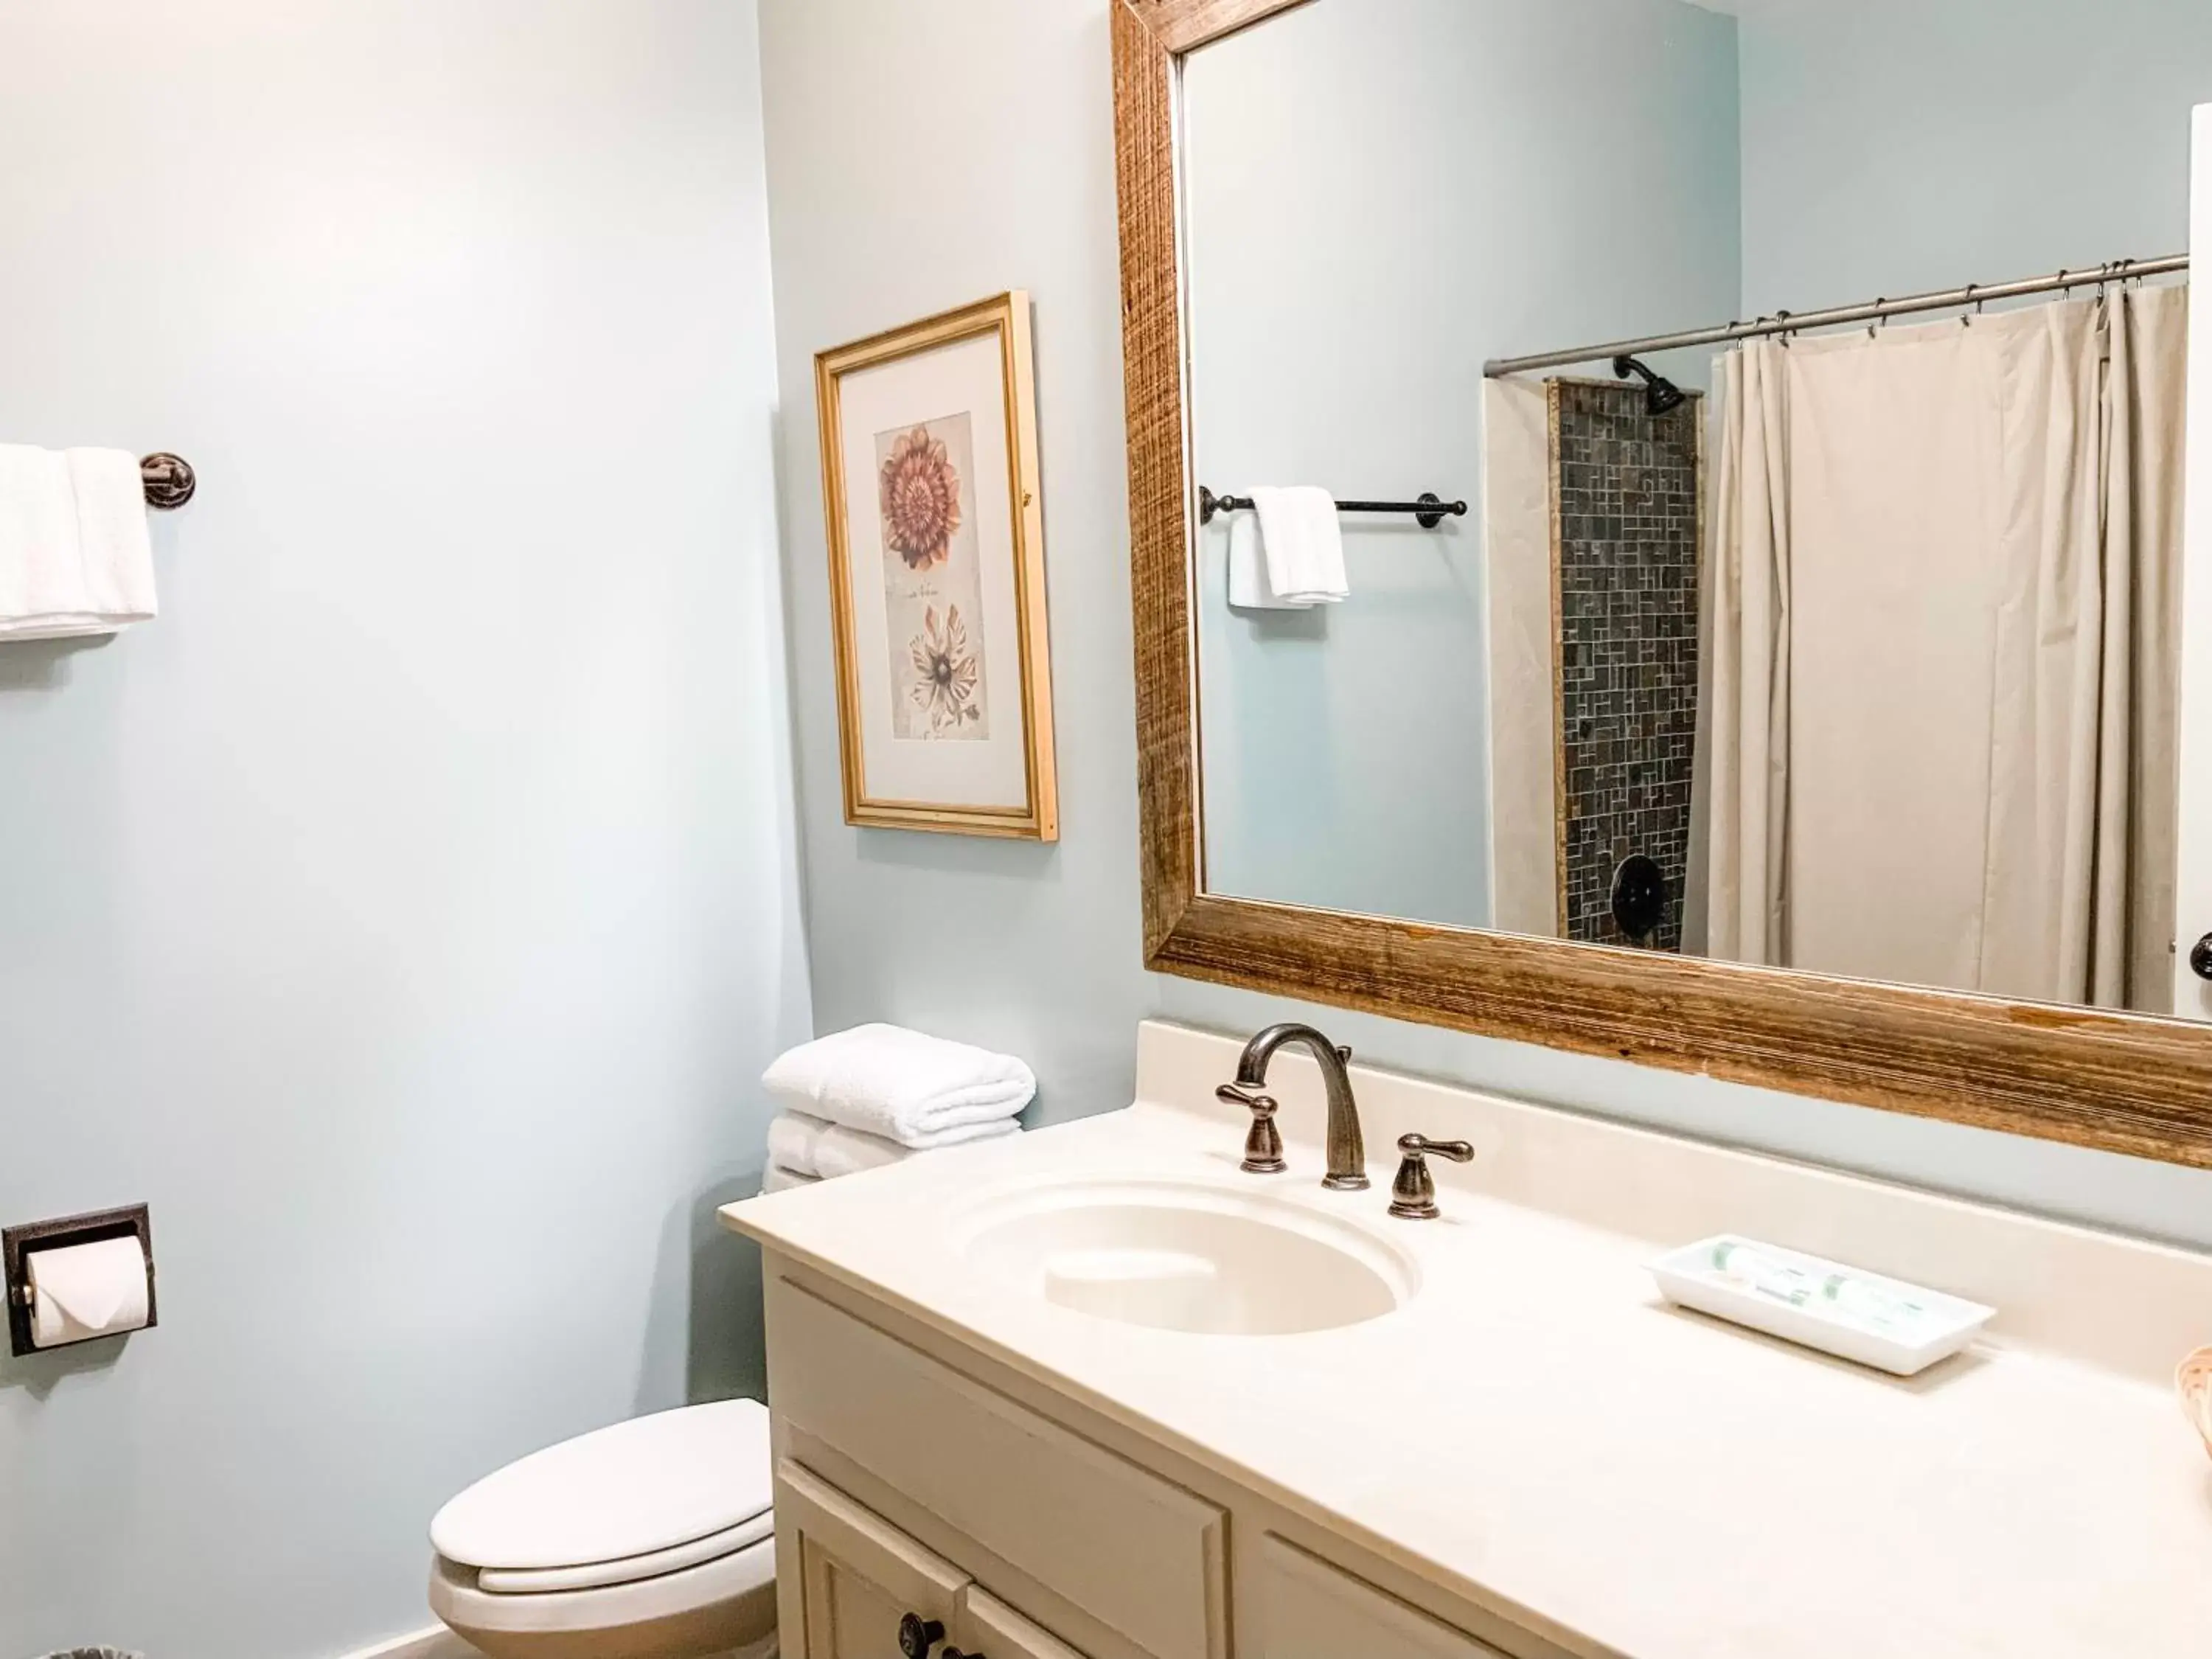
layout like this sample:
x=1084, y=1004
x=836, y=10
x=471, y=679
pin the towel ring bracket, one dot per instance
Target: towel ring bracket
x=170, y=480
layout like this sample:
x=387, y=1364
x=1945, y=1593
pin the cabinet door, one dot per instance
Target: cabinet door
x=858, y=1577
x=989, y=1629
x=1310, y=1609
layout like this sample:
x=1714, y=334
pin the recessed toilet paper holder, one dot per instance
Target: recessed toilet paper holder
x=133, y=1221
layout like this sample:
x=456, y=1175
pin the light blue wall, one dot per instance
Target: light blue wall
x=407, y=913
x=1381, y=196
x=1903, y=146
x=920, y=157
x=1038, y=949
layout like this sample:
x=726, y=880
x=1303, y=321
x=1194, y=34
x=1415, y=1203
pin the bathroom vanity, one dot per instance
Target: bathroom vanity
x=1007, y=1403
x=1562, y=769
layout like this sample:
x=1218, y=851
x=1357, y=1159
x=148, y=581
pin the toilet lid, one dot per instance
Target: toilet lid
x=653, y=1483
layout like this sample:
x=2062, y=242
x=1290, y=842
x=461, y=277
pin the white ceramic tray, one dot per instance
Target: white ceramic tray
x=1897, y=1327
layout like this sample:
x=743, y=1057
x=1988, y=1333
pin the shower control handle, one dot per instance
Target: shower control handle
x=2200, y=958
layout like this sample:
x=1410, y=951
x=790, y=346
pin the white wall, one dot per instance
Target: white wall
x=1898, y=146
x=407, y=912
x=1380, y=197
x=1038, y=949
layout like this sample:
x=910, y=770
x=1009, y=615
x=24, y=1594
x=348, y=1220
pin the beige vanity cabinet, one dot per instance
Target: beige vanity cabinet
x=989, y=1629
x=915, y=1475
x=856, y=1576
x=859, y=1579
x=1310, y=1609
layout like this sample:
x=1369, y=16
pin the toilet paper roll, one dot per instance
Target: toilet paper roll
x=81, y=1291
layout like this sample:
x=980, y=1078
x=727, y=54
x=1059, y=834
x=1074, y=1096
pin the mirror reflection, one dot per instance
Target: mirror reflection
x=1833, y=624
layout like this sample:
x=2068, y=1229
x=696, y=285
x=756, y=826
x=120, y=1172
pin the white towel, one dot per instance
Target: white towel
x=794, y=1142
x=1287, y=554
x=918, y=1090
x=843, y=1151
x=781, y=1180
x=75, y=556
x=809, y=1145
x=40, y=572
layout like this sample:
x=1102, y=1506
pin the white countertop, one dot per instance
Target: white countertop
x=1536, y=1429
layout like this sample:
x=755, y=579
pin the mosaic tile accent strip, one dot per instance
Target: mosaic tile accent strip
x=1625, y=505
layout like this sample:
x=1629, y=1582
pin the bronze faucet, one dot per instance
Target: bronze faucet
x=1347, y=1154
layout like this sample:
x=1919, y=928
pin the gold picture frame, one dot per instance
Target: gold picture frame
x=944, y=714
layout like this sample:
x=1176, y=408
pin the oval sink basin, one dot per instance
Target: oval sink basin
x=1183, y=1257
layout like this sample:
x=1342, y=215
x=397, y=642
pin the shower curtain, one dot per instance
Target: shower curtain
x=1939, y=605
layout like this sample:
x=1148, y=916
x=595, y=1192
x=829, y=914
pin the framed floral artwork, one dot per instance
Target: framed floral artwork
x=929, y=474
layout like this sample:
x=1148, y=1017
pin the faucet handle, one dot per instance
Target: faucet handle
x=1263, y=1146
x=1413, y=1194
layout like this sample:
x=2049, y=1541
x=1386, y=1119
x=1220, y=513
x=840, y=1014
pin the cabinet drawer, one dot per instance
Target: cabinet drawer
x=1137, y=1552
x=1310, y=1609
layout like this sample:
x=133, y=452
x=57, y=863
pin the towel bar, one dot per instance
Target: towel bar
x=169, y=481
x=1429, y=512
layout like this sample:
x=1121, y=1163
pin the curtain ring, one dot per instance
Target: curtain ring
x=1967, y=320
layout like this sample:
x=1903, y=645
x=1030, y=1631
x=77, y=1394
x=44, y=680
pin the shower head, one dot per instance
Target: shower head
x=1660, y=395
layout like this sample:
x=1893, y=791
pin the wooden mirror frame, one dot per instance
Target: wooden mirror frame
x=2122, y=1082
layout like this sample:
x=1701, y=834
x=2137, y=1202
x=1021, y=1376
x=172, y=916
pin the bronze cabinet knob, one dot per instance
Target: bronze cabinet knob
x=1413, y=1194
x=2200, y=958
x=917, y=1635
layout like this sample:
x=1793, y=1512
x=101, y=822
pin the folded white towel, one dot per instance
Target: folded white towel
x=809, y=1145
x=40, y=573
x=781, y=1180
x=1248, y=568
x=75, y=556
x=794, y=1141
x=843, y=1151
x=1288, y=553
x=920, y=1092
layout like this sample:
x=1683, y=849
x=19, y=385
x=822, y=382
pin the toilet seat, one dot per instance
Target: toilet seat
x=711, y=1608
x=687, y=1482
x=654, y=1539
x=537, y=1581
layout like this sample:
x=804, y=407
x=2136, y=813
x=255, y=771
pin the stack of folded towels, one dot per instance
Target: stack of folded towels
x=878, y=1094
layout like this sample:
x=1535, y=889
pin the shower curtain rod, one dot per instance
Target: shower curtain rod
x=2120, y=271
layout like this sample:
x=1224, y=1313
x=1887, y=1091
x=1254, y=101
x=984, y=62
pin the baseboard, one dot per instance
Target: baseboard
x=434, y=1642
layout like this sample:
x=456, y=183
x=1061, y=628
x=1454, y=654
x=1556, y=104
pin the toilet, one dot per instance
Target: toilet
x=654, y=1539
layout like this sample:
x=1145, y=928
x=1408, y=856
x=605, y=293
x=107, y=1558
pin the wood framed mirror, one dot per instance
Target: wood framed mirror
x=2121, y=1081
